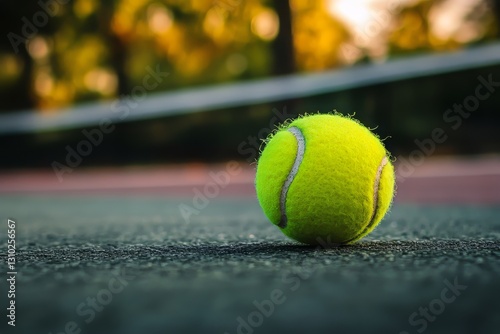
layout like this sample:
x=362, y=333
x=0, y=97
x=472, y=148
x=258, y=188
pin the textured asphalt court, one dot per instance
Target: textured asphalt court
x=110, y=263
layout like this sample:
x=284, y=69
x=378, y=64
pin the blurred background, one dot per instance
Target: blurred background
x=189, y=82
x=119, y=119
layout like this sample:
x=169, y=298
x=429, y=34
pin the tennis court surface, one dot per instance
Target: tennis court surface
x=118, y=258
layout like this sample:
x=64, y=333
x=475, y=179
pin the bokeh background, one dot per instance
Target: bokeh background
x=143, y=199
x=87, y=51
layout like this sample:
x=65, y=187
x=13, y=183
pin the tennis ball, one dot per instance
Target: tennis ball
x=324, y=178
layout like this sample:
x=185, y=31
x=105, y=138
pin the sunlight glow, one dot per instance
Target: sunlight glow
x=159, y=18
x=351, y=12
x=101, y=80
x=266, y=25
x=447, y=20
x=38, y=48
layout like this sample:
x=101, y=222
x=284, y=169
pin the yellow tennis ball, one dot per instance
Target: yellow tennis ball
x=325, y=178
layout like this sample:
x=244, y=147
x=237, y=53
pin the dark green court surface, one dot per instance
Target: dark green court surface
x=134, y=265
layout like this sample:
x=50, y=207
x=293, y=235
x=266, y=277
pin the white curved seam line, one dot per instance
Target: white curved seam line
x=376, y=188
x=293, y=172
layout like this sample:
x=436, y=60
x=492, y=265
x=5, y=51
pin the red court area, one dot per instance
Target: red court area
x=472, y=180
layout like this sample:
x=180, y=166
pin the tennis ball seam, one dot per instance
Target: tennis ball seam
x=300, y=138
x=301, y=146
x=376, y=187
x=334, y=187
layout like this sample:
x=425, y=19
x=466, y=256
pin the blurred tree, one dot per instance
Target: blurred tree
x=88, y=49
x=412, y=30
x=17, y=64
x=318, y=36
x=441, y=25
x=496, y=11
x=283, y=51
x=118, y=48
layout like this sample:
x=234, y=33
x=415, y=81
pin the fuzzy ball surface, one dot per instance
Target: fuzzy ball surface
x=325, y=179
